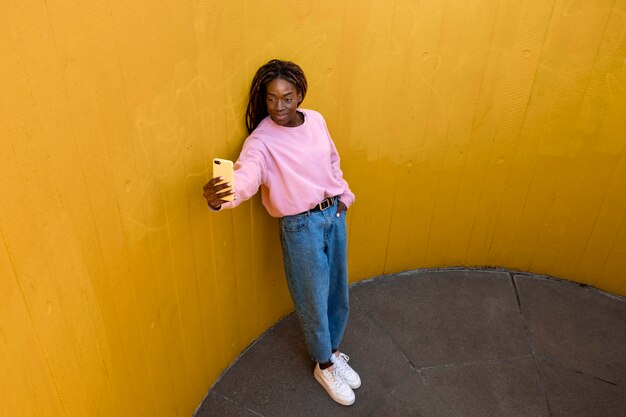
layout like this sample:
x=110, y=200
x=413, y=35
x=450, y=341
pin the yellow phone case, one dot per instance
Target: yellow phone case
x=224, y=168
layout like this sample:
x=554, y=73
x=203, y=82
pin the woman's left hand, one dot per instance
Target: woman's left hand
x=341, y=208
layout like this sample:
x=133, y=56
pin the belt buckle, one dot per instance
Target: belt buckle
x=324, y=204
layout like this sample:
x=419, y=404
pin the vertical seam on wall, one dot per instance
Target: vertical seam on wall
x=136, y=309
x=610, y=251
x=471, y=134
x=606, y=193
x=587, y=161
x=482, y=182
x=175, y=278
x=595, y=61
x=532, y=176
x=30, y=316
x=432, y=89
x=521, y=128
x=388, y=229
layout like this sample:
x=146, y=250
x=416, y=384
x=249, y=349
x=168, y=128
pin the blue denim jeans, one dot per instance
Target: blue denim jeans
x=314, y=255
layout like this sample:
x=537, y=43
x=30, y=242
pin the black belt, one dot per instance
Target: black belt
x=323, y=205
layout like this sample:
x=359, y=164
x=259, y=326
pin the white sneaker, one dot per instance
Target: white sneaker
x=334, y=385
x=345, y=371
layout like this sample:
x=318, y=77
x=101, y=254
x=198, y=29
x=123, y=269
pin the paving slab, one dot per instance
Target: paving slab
x=415, y=397
x=500, y=388
x=444, y=317
x=274, y=377
x=575, y=394
x=381, y=364
x=448, y=343
x=273, y=374
x=578, y=326
x=214, y=405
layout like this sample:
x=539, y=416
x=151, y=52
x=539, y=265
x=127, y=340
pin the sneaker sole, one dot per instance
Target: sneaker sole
x=337, y=400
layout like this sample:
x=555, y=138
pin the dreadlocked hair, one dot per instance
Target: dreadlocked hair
x=257, y=109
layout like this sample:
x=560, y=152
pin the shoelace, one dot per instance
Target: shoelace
x=335, y=378
x=341, y=363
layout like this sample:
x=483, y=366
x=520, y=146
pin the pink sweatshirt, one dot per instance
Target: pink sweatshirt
x=296, y=167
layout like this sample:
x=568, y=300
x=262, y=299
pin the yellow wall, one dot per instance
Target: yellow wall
x=472, y=132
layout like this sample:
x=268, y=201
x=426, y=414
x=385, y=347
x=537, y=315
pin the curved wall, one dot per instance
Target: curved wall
x=472, y=132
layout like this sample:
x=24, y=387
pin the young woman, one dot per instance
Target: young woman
x=290, y=155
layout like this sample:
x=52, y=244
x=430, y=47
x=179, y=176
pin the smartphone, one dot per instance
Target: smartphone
x=224, y=168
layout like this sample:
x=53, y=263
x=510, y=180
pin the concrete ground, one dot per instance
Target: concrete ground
x=448, y=343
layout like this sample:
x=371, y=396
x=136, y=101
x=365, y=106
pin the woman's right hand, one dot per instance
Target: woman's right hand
x=214, y=194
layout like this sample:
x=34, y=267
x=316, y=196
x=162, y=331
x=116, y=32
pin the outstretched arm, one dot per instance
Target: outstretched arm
x=248, y=176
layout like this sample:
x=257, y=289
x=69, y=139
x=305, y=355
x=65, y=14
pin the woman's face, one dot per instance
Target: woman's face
x=282, y=99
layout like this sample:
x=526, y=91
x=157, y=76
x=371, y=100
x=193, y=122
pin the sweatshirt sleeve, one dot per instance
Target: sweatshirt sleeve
x=249, y=172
